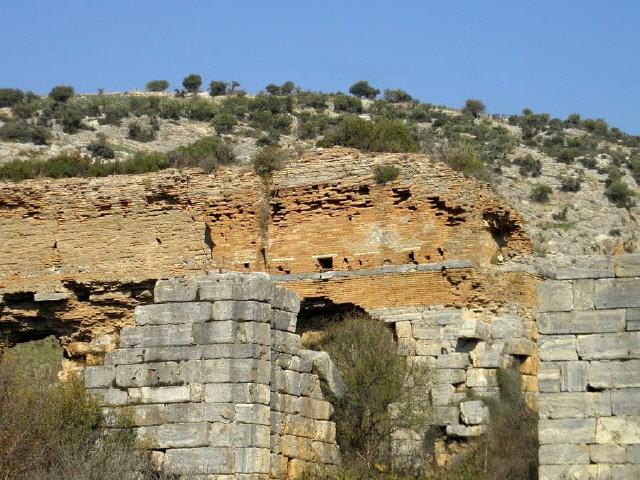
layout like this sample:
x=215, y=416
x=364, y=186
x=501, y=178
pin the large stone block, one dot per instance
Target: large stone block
x=236, y=286
x=149, y=375
x=617, y=293
x=109, y=396
x=487, y=355
x=237, y=393
x=482, y=377
x=285, y=342
x=626, y=401
x=317, y=409
x=507, y=326
x=156, y=335
x=522, y=347
x=175, y=435
x=284, y=299
x=281, y=320
x=175, y=290
x=557, y=347
x=633, y=319
x=160, y=394
x=200, y=461
x=403, y=329
x=474, y=412
x=99, y=376
x=549, y=377
x=583, y=293
x=618, y=430
x=465, y=431
x=609, y=346
x=614, y=374
x=252, y=413
x=444, y=415
x=422, y=331
x=628, y=265
x=253, y=460
x=453, y=360
x=241, y=311
x=589, y=266
x=223, y=370
x=121, y=356
x=563, y=454
x=573, y=376
x=164, y=313
x=442, y=394
x=555, y=296
x=170, y=354
x=474, y=328
x=199, y=412
x=572, y=472
x=574, y=405
x=450, y=376
x=608, y=453
x=326, y=370
x=599, y=321
x=571, y=430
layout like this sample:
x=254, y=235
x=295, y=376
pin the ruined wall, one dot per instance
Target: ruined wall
x=589, y=403
x=215, y=383
x=77, y=255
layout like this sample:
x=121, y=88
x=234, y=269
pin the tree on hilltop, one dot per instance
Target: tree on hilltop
x=362, y=89
x=192, y=83
x=156, y=86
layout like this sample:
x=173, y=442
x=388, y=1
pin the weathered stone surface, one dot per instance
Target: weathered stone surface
x=241, y=393
x=576, y=322
x=428, y=348
x=549, y=377
x=626, y=401
x=573, y=376
x=452, y=360
x=572, y=472
x=164, y=313
x=609, y=346
x=507, y=326
x=235, y=286
x=199, y=460
x=282, y=320
x=175, y=435
x=482, y=377
x=628, y=265
x=449, y=375
x=586, y=267
x=474, y=328
x=633, y=319
x=474, y=412
x=50, y=296
x=558, y=347
x=403, y=329
x=574, y=405
x=99, y=377
x=156, y=335
x=175, y=290
x=617, y=293
x=284, y=299
x=614, y=374
x=442, y=394
x=608, y=453
x=555, y=296
x=241, y=311
x=175, y=394
x=487, y=355
x=572, y=430
x=563, y=454
x=109, y=396
x=252, y=460
x=149, y=374
x=521, y=347
x=444, y=415
x=465, y=431
x=583, y=293
x=200, y=412
x=618, y=430
x=326, y=370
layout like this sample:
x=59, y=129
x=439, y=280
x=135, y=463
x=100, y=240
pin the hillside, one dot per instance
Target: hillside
x=590, y=169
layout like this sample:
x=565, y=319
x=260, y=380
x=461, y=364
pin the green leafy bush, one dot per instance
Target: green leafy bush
x=474, y=107
x=156, y=86
x=143, y=131
x=312, y=125
x=207, y=153
x=10, y=96
x=224, y=122
x=61, y=93
x=619, y=193
x=347, y=104
x=268, y=159
x=397, y=96
x=540, y=193
x=217, y=88
x=287, y=88
x=570, y=184
x=529, y=166
x=100, y=148
x=311, y=100
x=465, y=159
x=271, y=104
x=362, y=89
x=22, y=131
x=192, y=82
x=380, y=136
x=385, y=173
x=269, y=122
x=71, y=117
x=201, y=110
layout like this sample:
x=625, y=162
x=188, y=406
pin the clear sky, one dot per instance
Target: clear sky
x=559, y=56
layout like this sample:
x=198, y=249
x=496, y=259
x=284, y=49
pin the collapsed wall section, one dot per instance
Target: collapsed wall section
x=588, y=316
x=214, y=382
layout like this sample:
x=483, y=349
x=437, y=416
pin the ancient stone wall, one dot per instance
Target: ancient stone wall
x=214, y=381
x=588, y=316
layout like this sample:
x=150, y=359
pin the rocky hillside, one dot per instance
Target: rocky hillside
x=574, y=180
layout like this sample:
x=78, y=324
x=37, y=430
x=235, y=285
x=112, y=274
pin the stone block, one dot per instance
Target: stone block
x=252, y=413
x=482, y=377
x=614, y=374
x=507, y=326
x=608, y=453
x=175, y=435
x=428, y=348
x=310, y=386
x=555, y=296
x=149, y=375
x=453, y=360
x=51, y=296
x=223, y=370
x=317, y=409
x=450, y=376
x=147, y=415
x=122, y=356
x=474, y=329
x=443, y=317
x=215, y=332
x=204, y=460
x=252, y=460
x=487, y=355
x=570, y=472
x=442, y=394
x=563, y=454
x=569, y=430
x=167, y=313
x=444, y=415
x=109, y=396
x=574, y=405
x=573, y=376
x=557, y=347
x=236, y=286
x=549, y=377
x=618, y=430
x=609, y=346
x=285, y=342
x=284, y=299
x=633, y=319
x=403, y=329
x=406, y=346
x=465, y=431
x=628, y=265
x=474, y=412
x=281, y=320
x=241, y=311
x=522, y=347
x=160, y=394
x=598, y=321
x=633, y=454
x=99, y=376
x=156, y=335
x=421, y=331
x=170, y=354
x=625, y=401
x=617, y=293
x=583, y=293
x=200, y=412
x=175, y=290
x=623, y=472
x=326, y=370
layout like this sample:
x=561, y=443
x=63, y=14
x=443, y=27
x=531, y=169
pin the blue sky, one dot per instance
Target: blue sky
x=559, y=56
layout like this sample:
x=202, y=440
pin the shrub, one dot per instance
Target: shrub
x=272, y=104
x=397, y=96
x=570, y=184
x=156, y=86
x=465, y=159
x=192, y=82
x=18, y=170
x=540, y=193
x=268, y=159
x=71, y=117
x=311, y=100
x=620, y=194
x=529, y=166
x=352, y=132
x=65, y=165
x=313, y=125
x=392, y=136
x=269, y=122
x=224, y=122
x=61, y=93
x=142, y=131
x=207, y=153
x=474, y=107
x=100, y=148
x=10, y=96
x=18, y=130
x=346, y=104
x=385, y=173
x=201, y=110
x=287, y=88
x=362, y=89
x=217, y=88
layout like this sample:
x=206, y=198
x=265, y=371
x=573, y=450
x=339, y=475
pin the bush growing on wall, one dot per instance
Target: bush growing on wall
x=207, y=153
x=385, y=173
x=268, y=160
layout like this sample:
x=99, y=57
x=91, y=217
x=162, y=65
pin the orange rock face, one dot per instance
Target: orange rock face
x=322, y=226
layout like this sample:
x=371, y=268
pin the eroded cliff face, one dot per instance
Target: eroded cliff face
x=77, y=255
